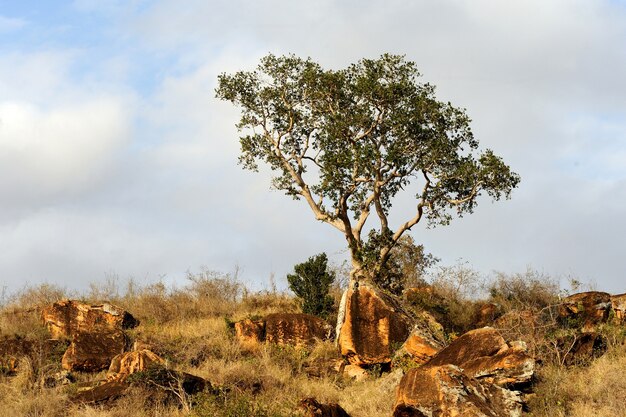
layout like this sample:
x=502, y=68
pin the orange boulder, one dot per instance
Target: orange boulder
x=67, y=317
x=445, y=391
x=128, y=363
x=93, y=352
x=374, y=325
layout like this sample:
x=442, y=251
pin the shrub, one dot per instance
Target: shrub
x=311, y=284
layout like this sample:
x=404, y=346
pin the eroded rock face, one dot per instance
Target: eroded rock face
x=128, y=363
x=426, y=339
x=68, y=317
x=445, y=391
x=314, y=408
x=93, y=352
x=511, y=367
x=618, y=302
x=100, y=393
x=586, y=309
x=485, y=355
x=472, y=345
x=249, y=333
x=295, y=329
x=374, y=326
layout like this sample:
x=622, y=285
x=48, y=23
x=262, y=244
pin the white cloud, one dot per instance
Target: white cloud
x=44, y=152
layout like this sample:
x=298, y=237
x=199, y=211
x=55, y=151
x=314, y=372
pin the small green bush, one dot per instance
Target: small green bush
x=311, y=284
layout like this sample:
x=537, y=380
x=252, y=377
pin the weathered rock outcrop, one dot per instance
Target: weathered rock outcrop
x=313, y=408
x=445, y=391
x=128, y=363
x=618, y=303
x=586, y=309
x=282, y=329
x=68, y=317
x=485, y=355
x=374, y=325
x=426, y=339
x=471, y=345
x=93, y=352
x=295, y=329
x=100, y=393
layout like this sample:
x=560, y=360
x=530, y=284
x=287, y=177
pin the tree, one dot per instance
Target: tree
x=311, y=283
x=348, y=141
x=406, y=266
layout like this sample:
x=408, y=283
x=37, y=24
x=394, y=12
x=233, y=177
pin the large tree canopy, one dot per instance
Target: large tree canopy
x=348, y=141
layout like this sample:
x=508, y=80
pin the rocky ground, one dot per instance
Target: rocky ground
x=215, y=349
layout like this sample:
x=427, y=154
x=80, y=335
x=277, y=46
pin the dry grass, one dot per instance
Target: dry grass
x=190, y=327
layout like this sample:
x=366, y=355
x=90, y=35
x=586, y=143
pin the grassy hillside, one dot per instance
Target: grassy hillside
x=192, y=329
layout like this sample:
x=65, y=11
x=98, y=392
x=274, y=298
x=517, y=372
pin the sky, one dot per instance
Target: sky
x=116, y=160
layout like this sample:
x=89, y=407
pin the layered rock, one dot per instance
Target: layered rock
x=314, y=408
x=93, y=352
x=100, y=393
x=586, y=309
x=445, y=391
x=425, y=340
x=374, y=325
x=618, y=303
x=68, y=317
x=471, y=345
x=485, y=355
x=295, y=329
x=128, y=363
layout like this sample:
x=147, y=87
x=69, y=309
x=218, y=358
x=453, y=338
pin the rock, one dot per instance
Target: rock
x=250, y=333
x=93, y=352
x=11, y=351
x=512, y=367
x=485, y=355
x=313, y=408
x=65, y=318
x=426, y=339
x=128, y=363
x=582, y=348
x=38, y=352
x=618, y=302
x=168, y=379
x=99, y=393
x=374, y=326
x=585, y=309
x=295, y=329
x=445, y=391
x=471, y=345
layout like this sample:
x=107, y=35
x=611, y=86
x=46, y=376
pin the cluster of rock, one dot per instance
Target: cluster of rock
x=97, y=341
x=479, y=374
